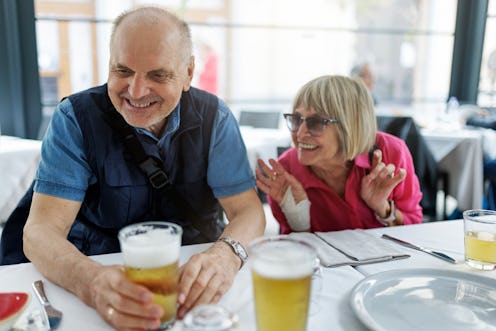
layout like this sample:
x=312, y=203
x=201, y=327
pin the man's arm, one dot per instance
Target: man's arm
x=98, y=286
x=208, y=275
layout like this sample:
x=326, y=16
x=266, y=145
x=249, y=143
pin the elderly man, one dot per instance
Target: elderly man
x=88, y=186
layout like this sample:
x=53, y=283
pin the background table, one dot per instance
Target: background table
x=18, y=162
x=460, y=154
x=263, y=143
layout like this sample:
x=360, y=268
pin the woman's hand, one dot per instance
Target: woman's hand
x=274, y=180
x=379, y=183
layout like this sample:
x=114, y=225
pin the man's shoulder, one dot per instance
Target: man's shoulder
x=92, y=91
x=201, y=99
x=88, y=101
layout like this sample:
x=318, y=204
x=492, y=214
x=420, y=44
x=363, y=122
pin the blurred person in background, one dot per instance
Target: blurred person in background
x=364, y=72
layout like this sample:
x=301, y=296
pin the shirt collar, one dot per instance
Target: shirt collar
x=171, y=125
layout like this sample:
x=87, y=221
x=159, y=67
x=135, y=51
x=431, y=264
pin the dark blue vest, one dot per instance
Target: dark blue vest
x=122, y=194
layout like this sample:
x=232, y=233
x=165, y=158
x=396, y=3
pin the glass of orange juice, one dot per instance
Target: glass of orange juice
x=480, y=238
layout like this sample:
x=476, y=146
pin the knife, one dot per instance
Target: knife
x=439, y=255
x=53, y=315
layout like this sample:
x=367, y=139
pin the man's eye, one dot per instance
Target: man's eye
x=161, y=76
x=122, y=71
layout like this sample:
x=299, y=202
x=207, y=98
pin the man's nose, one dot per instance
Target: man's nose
x=138, y=87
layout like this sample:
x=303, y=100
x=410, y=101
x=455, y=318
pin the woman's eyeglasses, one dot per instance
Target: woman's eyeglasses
x=315, y=124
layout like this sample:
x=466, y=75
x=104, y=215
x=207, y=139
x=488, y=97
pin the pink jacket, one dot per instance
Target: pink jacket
x=330, y=212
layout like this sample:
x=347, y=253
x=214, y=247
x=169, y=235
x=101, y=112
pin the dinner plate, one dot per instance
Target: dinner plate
x=426, y=299
x=11, y=306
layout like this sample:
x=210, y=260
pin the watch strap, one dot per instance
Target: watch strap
x=237, y=248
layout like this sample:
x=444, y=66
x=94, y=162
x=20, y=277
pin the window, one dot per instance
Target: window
x=260, y=52
x=487, y=80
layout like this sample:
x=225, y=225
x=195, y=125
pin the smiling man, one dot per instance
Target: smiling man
x=88, y=185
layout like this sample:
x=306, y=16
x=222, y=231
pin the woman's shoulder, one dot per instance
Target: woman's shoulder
x=389, y=142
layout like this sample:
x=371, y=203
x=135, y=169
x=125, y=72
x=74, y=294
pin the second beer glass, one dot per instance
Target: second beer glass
x=151, y=258
x=282, y=270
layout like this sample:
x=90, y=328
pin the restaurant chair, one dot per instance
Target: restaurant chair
x=431, y=178
x=260, y=119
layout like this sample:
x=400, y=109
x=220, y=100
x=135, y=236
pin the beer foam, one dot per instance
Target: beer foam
x=151, y=249
x=284, y=264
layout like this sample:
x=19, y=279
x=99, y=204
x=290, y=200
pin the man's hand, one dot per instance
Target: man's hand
x=206, y=277
x=123, y=304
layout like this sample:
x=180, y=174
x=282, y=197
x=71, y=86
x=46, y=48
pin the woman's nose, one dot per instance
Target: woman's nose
x=303, y=129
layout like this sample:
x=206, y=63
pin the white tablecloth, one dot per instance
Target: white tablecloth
x=444, y=236
x=332, y=311
x=18, y=162
x=460, y=154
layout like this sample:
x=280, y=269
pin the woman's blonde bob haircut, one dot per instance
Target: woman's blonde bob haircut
x=348, y=101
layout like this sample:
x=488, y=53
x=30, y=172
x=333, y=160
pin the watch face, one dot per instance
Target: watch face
x=241, y=251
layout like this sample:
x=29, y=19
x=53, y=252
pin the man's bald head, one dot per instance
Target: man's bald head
x=153, y=17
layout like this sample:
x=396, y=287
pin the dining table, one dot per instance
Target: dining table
x=19, y=159
x=330, y=307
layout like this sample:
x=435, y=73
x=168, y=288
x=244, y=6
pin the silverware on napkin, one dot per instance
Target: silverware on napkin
x=439, y=255
x=53, y=315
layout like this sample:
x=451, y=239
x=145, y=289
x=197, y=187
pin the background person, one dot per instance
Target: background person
x=87, y=186
x=364, y=72
x=341, y=173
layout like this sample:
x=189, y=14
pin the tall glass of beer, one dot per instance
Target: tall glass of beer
x=282, y=269
x=151, y=258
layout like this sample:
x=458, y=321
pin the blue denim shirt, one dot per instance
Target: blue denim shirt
x=64, y=171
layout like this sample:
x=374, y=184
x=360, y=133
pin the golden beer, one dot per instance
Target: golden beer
x=151, y=258
x=480, y=238
x=281, y=304
x=162, y=281
x=282, y=270
x=480, y=247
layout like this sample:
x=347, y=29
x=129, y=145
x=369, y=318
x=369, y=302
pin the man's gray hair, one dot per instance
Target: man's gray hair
x=152, y=14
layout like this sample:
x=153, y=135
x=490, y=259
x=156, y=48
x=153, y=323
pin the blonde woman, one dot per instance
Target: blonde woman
x=341, y=173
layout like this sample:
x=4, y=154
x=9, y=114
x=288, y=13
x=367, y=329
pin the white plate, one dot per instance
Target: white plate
x=426, y=299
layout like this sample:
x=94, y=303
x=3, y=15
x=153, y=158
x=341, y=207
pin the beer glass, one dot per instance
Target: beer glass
x=480, y=238
x=282, y=270
x=151, y=258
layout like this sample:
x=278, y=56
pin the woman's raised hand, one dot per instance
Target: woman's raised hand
x=274, y=180
x=380, y=182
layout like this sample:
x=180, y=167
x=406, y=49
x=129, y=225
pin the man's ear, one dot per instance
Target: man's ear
x=190, y=71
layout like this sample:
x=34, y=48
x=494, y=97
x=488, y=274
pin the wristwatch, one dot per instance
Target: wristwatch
x=391, y=217
x=237, y=248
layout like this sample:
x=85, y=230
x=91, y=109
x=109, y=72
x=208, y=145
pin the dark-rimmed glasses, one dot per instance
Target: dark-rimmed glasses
x=315, y=124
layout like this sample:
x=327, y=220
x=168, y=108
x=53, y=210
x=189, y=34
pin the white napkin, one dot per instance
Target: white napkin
x=349, y=247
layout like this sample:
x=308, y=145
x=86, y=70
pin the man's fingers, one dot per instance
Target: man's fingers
x=119, y=320
x=187, y=278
